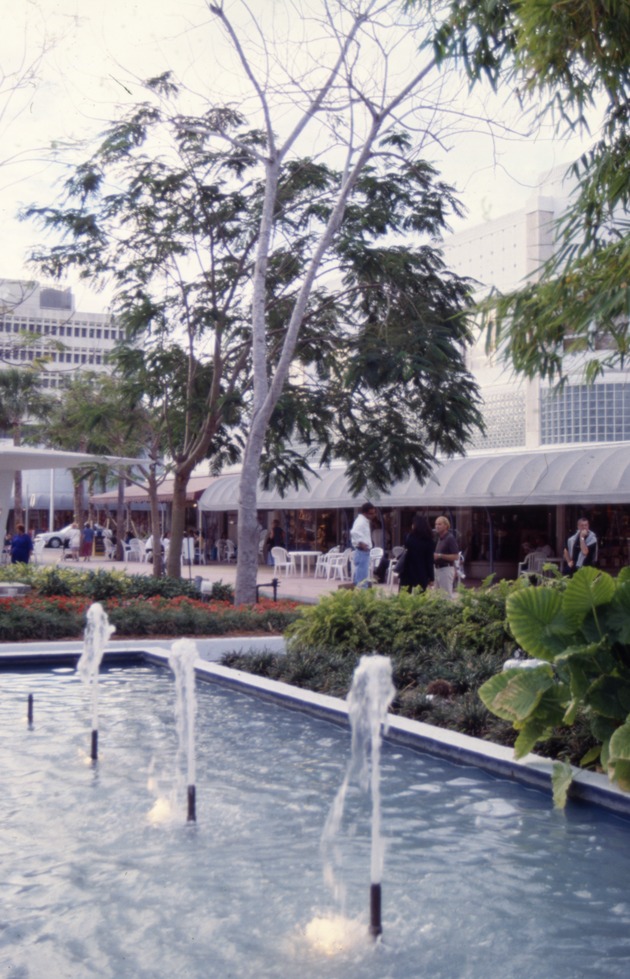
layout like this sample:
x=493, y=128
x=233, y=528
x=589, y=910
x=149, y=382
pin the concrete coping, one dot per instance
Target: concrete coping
x=9, y=589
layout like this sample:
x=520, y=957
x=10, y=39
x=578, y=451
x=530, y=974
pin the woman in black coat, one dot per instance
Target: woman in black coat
x=418, y=568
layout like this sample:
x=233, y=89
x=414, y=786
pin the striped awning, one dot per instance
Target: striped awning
x=578, y=475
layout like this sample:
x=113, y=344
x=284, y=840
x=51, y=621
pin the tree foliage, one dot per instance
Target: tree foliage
x=576, y=55
x=378, y=375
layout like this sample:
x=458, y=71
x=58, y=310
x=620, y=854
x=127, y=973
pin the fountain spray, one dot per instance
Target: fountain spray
x=370, y=695
x=97, y=634
x=182, y=662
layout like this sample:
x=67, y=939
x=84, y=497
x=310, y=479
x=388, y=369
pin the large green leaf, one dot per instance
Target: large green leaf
x=537, y=623
x=609, y=696
x=620, y=743
x=534, y=730
x=540, y=724
x=615, y=619
x=602, y=728
x=561, y=778
x=619, y=772
x=585, y=592
x=591, y=756
x=522, y=694
x=513, y=694
x=583, y=665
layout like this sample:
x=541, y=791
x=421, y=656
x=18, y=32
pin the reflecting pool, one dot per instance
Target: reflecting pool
x=102, y=876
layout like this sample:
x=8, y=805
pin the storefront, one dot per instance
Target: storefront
x=500, y=505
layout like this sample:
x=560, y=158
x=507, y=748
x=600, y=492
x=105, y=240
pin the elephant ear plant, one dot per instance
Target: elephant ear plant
x=579, y=634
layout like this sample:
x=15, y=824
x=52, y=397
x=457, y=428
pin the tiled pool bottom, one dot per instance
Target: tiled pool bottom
x=482, y=877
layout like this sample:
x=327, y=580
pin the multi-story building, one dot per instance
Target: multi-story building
x=39, y=324
x=502, y=255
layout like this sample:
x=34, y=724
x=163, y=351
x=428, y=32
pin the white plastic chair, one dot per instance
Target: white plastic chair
x=230, y=551
x=321, y=565
x=338, y=566
x=38, y=548
x=534, y=564
x=135, y=550
x=531, y=565
x=282, y=559
x=391, y=574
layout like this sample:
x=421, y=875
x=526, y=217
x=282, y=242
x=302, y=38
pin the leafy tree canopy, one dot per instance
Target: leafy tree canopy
x=167, y=211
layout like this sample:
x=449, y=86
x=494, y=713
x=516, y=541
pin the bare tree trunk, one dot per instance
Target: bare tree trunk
x=18, y=495
x=248, y=530
x=120, y=519
x=178, y=525
x=18, y=502
x=77, y=493
x=158, y=562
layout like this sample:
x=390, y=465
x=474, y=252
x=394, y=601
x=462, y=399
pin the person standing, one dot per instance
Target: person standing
x=446, y=553
x=581, y=549
x=75, y=541
x=418, y=569
x=361, y=541
x=87, y=542
x=21, y=546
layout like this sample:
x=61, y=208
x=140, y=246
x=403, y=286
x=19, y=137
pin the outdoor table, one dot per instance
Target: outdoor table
x=304, y=556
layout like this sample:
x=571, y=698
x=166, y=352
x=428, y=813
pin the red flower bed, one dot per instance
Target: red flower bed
x=58, y=617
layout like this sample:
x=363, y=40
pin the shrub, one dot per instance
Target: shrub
x=62, y=617
x=101, y=585
x=435, y=645
x=578, y=630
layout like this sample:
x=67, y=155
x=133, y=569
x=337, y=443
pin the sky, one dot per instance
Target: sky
x=77, y=59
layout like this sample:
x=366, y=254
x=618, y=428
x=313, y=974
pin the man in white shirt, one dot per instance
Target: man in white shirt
x=361, y=540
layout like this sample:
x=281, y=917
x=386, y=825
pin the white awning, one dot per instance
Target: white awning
x=580, y=475
x=22, y=457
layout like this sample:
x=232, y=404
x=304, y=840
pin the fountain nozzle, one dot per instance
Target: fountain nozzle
x=192, y=804
x=376, y=927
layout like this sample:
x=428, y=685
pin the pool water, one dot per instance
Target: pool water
x=482, y=877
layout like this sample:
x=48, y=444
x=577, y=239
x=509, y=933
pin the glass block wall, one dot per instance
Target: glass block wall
x=585, y=413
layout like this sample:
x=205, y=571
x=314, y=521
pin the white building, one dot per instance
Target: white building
x=503, y=255
x=40, y=324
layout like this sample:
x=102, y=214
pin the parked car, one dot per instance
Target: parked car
x=61, y=538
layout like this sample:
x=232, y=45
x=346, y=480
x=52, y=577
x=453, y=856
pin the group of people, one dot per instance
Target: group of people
x=81, y=541
x=428, y=562
x=431, y=561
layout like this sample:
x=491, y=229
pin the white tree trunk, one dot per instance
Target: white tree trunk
x=341, y=83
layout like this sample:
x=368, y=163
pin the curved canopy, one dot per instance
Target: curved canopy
x=585, y=475
x=23, y=457
x=20, y=457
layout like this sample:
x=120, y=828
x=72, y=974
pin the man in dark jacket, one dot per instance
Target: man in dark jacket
x=21, y=546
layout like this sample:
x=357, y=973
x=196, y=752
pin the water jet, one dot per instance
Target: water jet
x=97, y=634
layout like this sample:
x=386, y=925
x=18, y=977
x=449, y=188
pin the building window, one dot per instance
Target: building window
x=585, y=413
